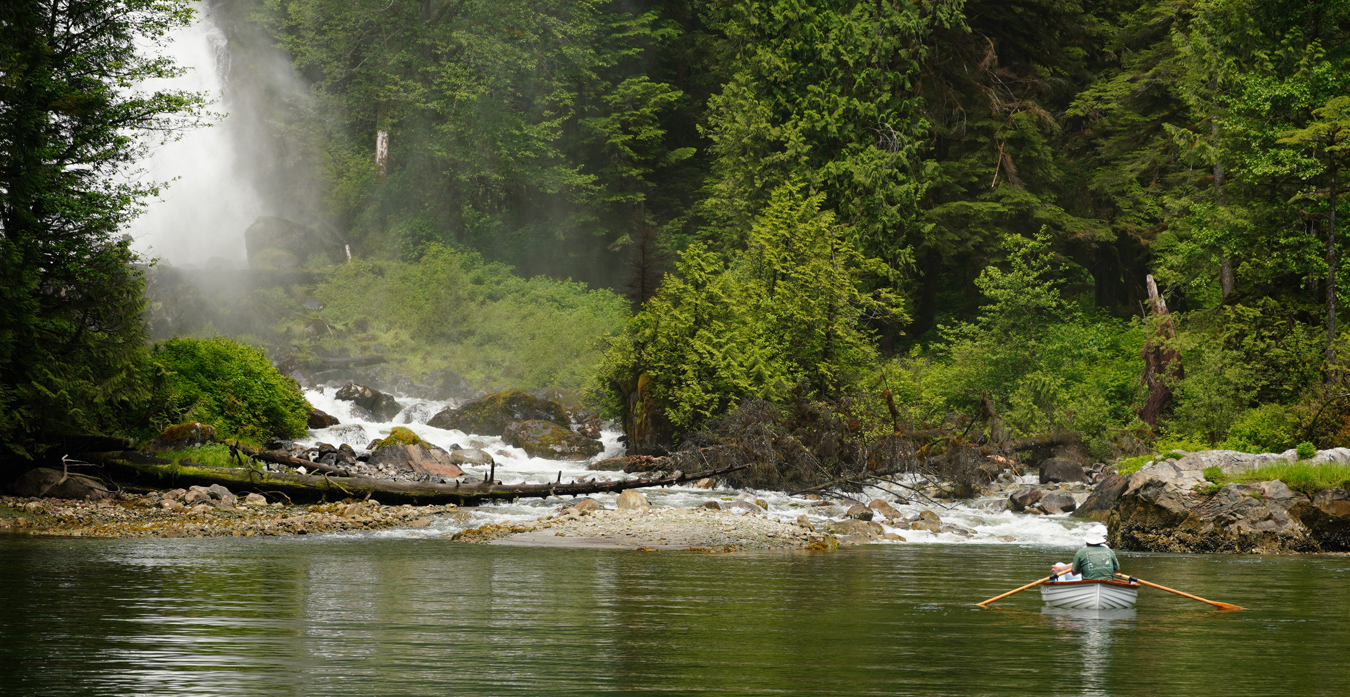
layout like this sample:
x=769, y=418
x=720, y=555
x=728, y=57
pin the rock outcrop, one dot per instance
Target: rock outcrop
x=490, y=415
x=382, y=407
x=53, y=483
x=550, y=441
x=1162, y=508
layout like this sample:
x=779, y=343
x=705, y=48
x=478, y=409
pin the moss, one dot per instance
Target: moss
x=230, y=386
x=400, y=436
x=215, y=454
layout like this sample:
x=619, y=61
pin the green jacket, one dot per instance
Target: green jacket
x=1095, y=562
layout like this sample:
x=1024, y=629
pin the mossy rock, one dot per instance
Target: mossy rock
x=401, y=436
x=490, y=415
x=550, y=441
x=184, y=436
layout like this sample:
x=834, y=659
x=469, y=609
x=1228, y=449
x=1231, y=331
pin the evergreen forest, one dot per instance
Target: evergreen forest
x=1114, y=219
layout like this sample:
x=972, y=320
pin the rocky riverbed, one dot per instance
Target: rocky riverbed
x=204, y=512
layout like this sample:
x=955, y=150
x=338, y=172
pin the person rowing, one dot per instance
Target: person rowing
x=1063, y=573
x=1096, y=561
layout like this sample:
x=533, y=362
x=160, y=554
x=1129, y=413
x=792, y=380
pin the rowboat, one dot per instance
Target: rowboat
x=1090, y=595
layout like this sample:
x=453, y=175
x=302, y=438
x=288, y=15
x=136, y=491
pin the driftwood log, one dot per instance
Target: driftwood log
x=152, y=471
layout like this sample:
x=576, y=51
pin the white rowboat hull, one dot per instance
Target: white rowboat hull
x=1090, y=595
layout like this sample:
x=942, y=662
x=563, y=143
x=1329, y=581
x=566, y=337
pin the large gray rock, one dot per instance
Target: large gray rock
x=550, y=441
x=471, y=456
x=1057, y=502
x=743, y=507
x=1057, y=470
x=321, y=419
x=1020, y=500
x=490, y=415
x=1099, y=503
x=865, y=528
x=381, y=406
x=422, y=458
x=44, y=481
x=859, y=512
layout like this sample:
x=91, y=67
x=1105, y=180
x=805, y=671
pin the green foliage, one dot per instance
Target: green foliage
x=230, y=386
x=212, y=454
x=1269, y=428
x=1215, y=474
x=1306, y=451
x=788, y=312
x=1303, y=477
x=1046, y=362
x=72, y=347
x=1130, y=465
x=450, y=309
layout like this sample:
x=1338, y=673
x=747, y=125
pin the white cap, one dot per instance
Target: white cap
x=1096, y=537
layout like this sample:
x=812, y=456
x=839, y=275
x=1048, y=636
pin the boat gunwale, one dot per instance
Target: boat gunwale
x=1107, y=581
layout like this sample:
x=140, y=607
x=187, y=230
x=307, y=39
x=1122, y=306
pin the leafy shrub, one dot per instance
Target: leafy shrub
x=229, y=385
x=1268, y=428
x=1130, y=465
x=1215, y=474
x=1306, y=451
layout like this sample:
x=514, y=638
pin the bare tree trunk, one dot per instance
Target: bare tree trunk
x=1162, y=365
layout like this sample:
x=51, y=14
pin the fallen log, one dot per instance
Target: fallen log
x=148, y=470
x=280, y=457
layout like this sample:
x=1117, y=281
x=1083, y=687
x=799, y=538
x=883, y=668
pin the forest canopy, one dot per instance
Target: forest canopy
x=957, y=203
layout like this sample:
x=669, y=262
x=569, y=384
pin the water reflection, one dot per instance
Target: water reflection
x=425, y=617
x=1089, y=632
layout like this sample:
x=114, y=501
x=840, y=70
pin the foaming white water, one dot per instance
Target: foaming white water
x=987, y=519
x=207, y=203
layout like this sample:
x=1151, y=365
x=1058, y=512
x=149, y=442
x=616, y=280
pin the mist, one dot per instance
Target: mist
x=206, y=201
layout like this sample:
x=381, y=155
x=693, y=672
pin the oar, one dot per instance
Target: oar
x=1221, y=606
x=1037, y=582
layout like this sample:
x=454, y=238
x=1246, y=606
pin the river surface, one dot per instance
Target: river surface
x=365, y=615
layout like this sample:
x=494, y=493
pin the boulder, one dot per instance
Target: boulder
x=928, y=525
x=490, y=415
x=380, y=406
x=405, y=450
x=1057, y=502
x=632, y=499
x=929, y=516
x=184, y=436
x=705, y=483
x=53, y=483
x=743, y=507
x=550, y=441
x=471, y=456
x=711, y=505
x=321, y=419
x=886, y=510
x=1019, y=501
x=1154, y=514
x=1056, y=470
x=859, y=512
x=197, y=495
x=1103, y=497
x=587, y=504
x=1326, y=516
x=255, y=500
x=222, y=495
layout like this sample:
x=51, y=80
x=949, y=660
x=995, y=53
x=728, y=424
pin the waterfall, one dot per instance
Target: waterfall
x=207, y=201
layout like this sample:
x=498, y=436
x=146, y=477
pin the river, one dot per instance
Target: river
x=364, y=615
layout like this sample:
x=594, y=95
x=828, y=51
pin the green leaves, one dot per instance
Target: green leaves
x=786, y=312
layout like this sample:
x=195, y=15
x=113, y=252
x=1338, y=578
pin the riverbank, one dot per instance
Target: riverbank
x=195, y=513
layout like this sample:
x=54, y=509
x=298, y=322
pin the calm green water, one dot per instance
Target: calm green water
x=427, y=617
